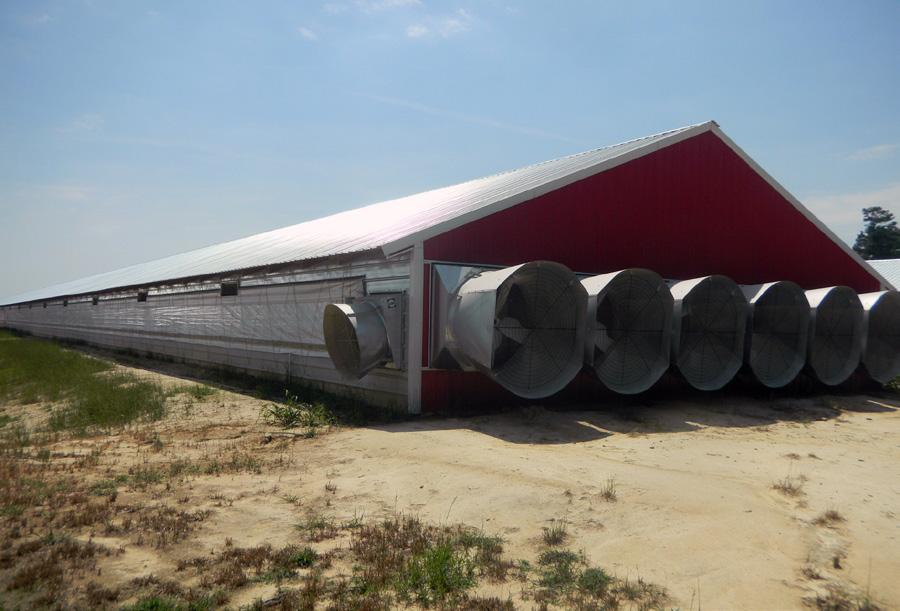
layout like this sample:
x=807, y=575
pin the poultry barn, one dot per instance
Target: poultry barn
x=674, y=253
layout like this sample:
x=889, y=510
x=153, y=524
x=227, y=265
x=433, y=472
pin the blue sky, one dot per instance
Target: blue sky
x=132, y=130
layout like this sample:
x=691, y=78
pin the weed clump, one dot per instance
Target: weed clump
x=608, y=492
x=829, y=517
x=294, y=413
x=556, y=533
x=435, y=574
x=789, y=486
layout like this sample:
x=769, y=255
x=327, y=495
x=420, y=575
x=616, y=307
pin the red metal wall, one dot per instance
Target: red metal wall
x=691, y=209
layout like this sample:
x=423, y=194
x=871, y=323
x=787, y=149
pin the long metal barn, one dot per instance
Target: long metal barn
x=675, y=252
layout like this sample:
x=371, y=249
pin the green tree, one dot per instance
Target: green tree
x=880, y=237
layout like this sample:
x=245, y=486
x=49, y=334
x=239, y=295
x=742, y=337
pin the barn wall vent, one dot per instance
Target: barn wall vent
x=777, y=332
x=709, y=322
x=523, y=326
x=629, y=328
x=881, y=340
x=835, y=334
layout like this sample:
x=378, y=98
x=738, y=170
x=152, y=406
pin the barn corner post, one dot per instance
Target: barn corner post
x=416, y=310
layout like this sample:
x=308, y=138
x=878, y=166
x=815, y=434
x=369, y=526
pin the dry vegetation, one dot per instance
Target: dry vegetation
x=71, y=507
x=130, y=490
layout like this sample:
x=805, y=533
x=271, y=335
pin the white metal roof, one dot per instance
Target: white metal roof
x=394, y=225
x=889, y=269
x=391, y=225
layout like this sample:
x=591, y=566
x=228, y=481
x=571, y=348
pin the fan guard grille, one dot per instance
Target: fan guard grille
x=631, y=326
x=882, y=353
x=835, y=341
x=779, y=332
x=538, y=329
x=713, y=320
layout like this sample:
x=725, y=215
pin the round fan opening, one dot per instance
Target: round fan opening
x=711, y=341
x=538, y=329
x=836, y=337
x=778, y=336
x=882, y=354
x=355, y=338
x=631, y=331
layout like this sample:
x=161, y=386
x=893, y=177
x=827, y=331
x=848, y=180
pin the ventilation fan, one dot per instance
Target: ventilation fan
x=709, y=322
x=629, y=329
x=881, y=349
x=356, y=338
x=778, y=331
x=836, y=333
x=523, y=326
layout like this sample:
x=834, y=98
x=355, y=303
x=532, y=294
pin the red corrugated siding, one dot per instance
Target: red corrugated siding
x=691, y=209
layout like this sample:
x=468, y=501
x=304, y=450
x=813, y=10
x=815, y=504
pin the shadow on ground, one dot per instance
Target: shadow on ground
x=535, y=424
x=670, y=407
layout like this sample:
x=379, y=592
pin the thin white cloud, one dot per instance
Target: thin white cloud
x=879, y=151
x=443, y=26
x=307, y=34
x=36, y=19
x=335, y=8
x=88, y=122
x=457, y=23
x=466, y=118
x=374, y=6
x=367, y=6
x=842, y=212
x=67, y=194
x=417, y=30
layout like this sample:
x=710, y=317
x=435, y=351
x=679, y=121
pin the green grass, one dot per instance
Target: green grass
x=293, y=413
x=436, y=574
x=109, y=401
x=340, y=409
x=32, y=370
x=559, y=569
x=556, y=533
x=196, y=391
x=92, y=396
x=595, y=582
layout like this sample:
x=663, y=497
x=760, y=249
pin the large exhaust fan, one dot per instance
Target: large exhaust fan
x=778, y=332
x=881, y=341
x=835, y=336
x=523, y=326
x=710, y=319
x=629, y=328
x=363, y=335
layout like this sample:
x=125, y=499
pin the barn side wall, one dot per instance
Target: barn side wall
x=691, y=209
x=271, y=328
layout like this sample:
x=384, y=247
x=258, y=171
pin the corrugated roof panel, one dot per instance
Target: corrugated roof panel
x=889, y=269
x=389, y=225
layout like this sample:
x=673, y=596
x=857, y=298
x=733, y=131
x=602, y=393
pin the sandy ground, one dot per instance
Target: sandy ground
x=695, y=508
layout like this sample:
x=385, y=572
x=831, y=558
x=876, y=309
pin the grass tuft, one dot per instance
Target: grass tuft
x=294, y=413
x=789, y=486
x=556, y=533
x=435, y=574
x=608, y=492
x=829, y=517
